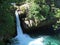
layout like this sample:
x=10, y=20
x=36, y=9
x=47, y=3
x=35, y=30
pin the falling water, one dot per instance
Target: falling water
x=24, y=39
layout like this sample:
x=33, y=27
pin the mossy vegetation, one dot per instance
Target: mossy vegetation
x=42, y=10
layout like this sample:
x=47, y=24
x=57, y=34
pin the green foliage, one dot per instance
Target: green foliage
x=35, y=9
x=1, y=43
x=41, y=11
x=40, y=1
x=46, y=8
x=7, y=24
x=34, y=12
x=7, y=20
x=57, y=15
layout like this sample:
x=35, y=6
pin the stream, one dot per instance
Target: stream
x=25, y=39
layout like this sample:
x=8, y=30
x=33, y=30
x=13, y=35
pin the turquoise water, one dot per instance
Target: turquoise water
x=47, y=40
x=52, y=40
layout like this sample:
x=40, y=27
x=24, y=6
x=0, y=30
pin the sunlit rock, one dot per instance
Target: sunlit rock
x=23, y=8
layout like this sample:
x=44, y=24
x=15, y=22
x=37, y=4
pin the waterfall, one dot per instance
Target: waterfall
x=22, y=38
x=19, y=29
x=25, y=39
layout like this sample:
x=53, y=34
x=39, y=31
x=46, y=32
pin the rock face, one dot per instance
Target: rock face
x=44, y=27
x=23, y=8
x=30, y=26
